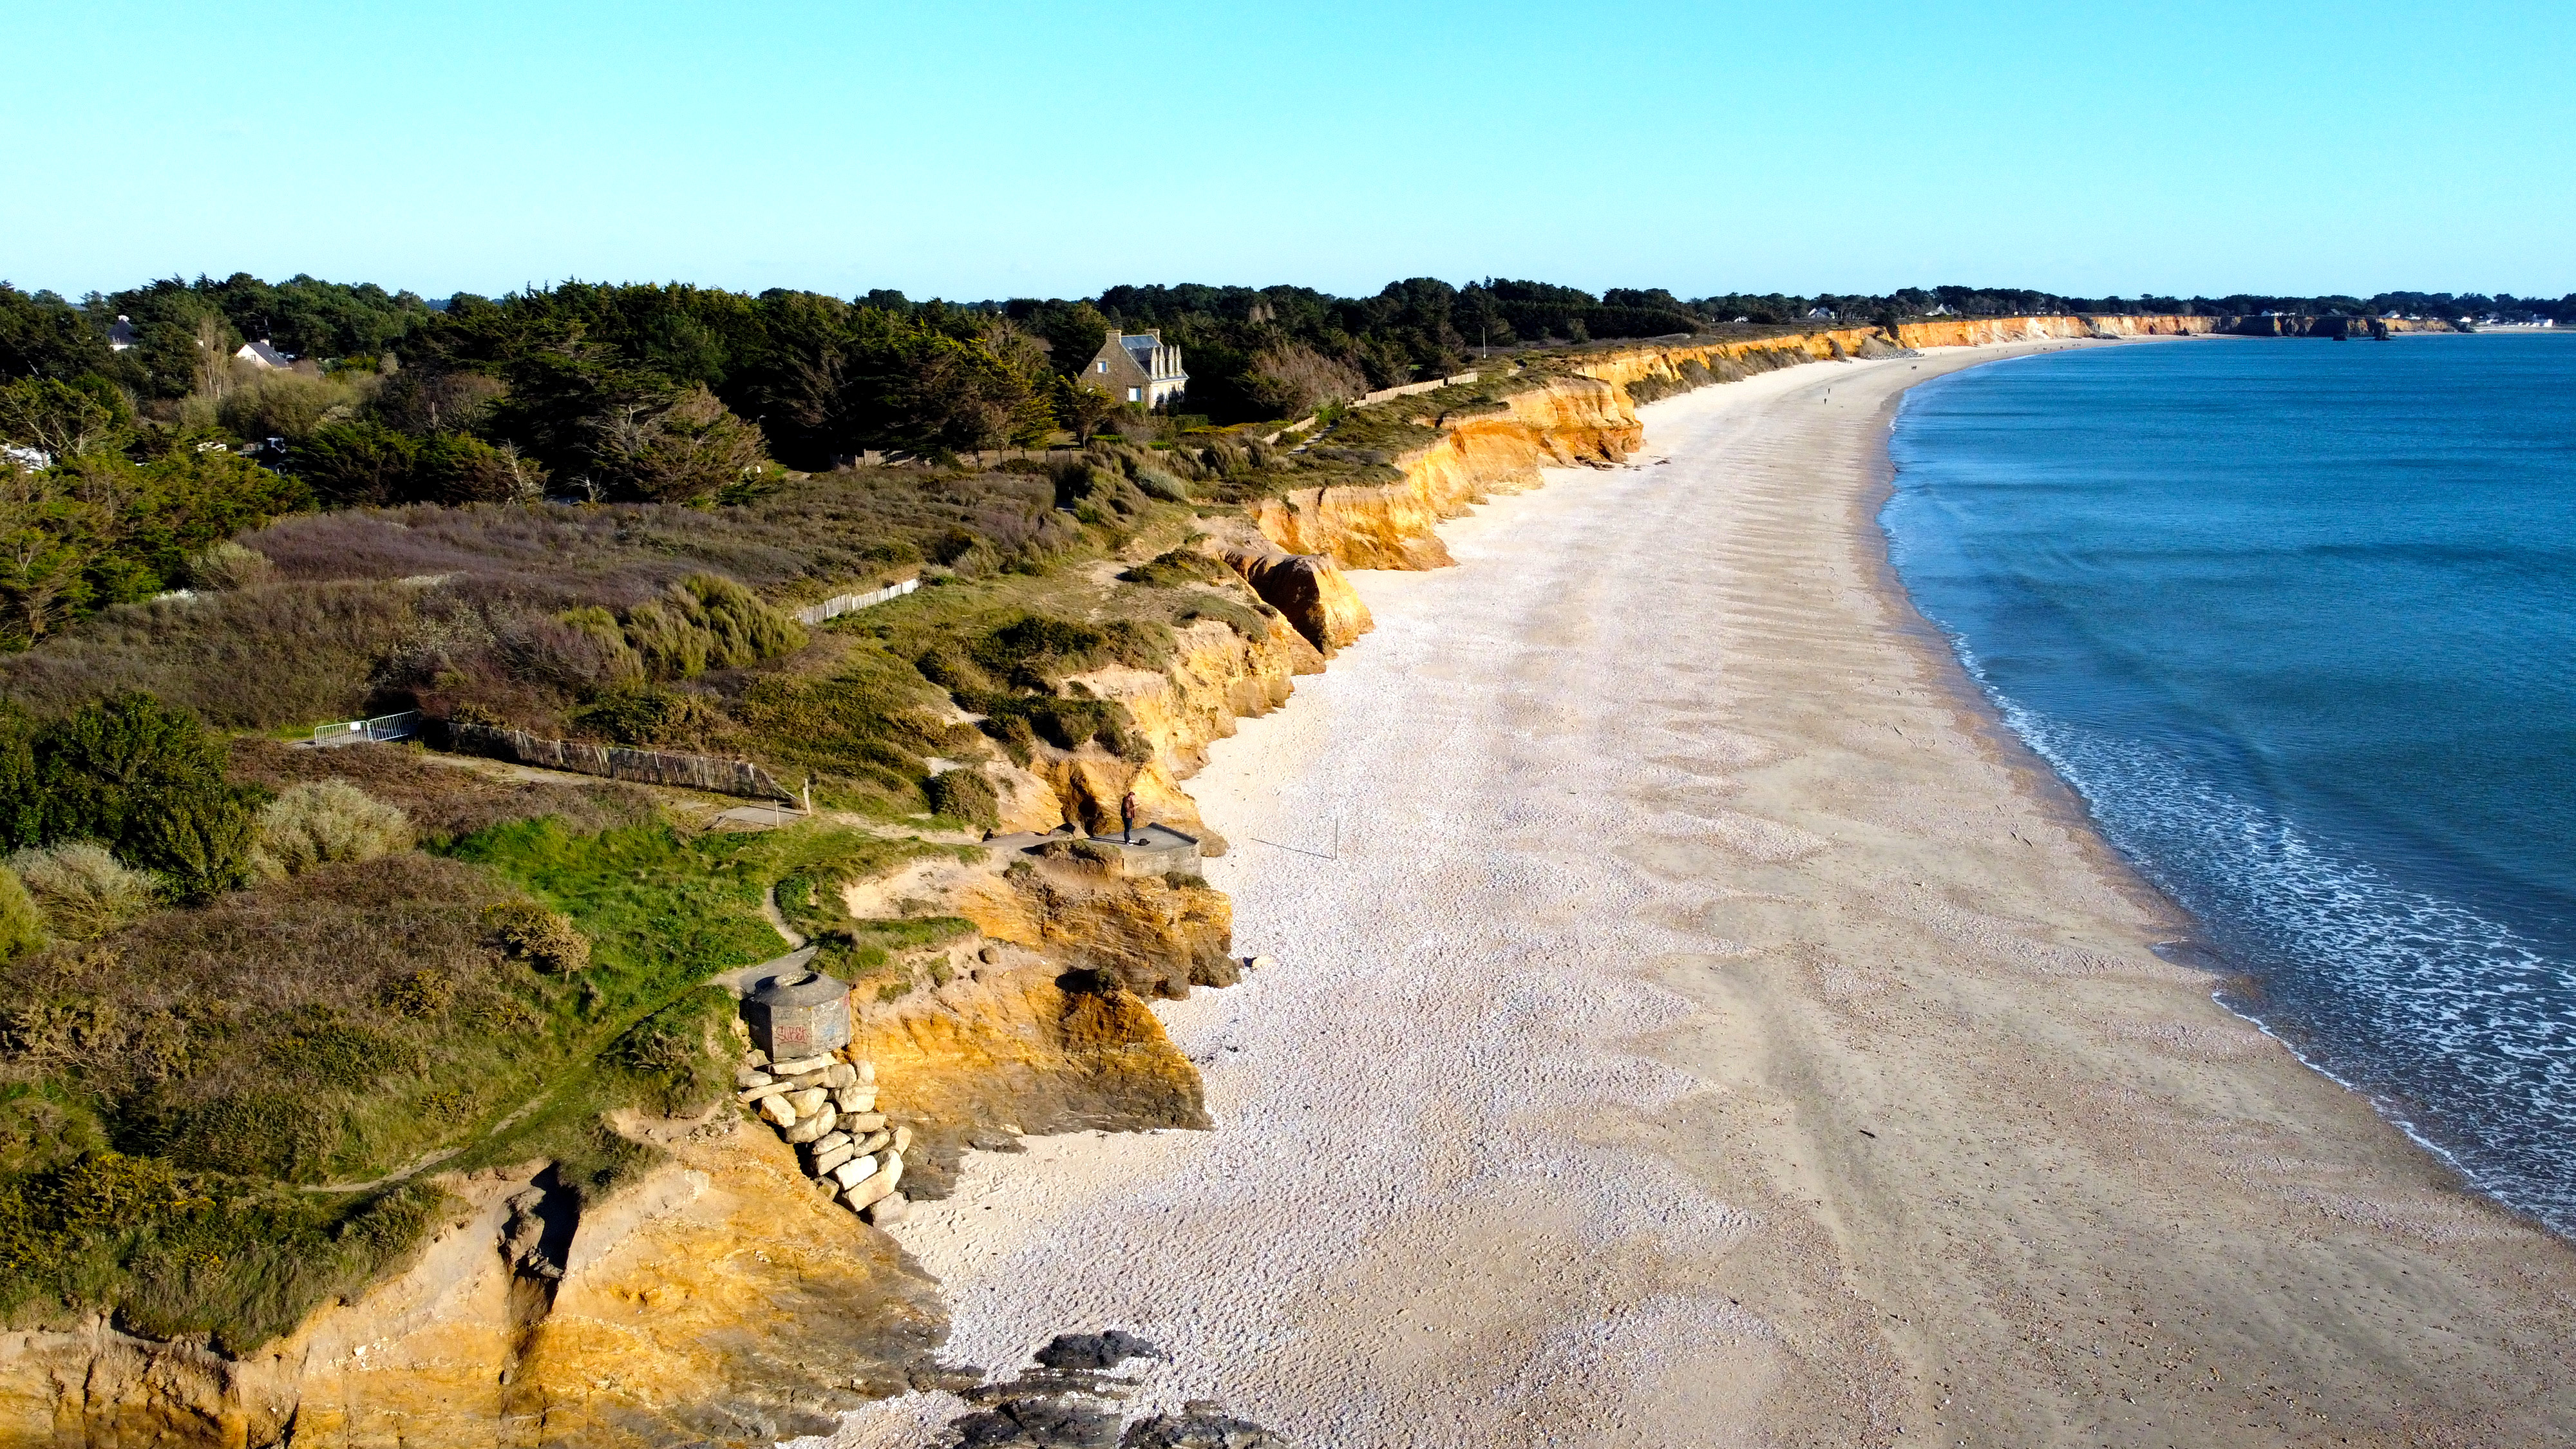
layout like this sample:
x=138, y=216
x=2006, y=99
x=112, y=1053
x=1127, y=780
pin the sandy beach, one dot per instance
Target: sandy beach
x=1693, y=1021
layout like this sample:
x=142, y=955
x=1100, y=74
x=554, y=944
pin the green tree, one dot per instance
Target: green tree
x=1082, y=407
x=1074, y=336
x=41, y=335
x=358, y=462
x=146, y=780
x=65, y=419
x=684, y=450
x=102, y=529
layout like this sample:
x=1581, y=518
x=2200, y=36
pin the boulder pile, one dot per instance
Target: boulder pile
x=827, y=1107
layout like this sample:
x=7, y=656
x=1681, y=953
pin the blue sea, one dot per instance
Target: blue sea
x=2297, y=619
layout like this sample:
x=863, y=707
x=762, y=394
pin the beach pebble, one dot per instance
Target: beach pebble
x=1256, y=963
x=855, y=1170
x=809, y=1128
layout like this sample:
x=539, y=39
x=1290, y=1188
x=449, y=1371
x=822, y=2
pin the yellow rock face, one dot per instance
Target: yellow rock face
x=728, y=1300
x=1009, y=1046
x=1389, y=525
x=1311, y=592
x=721, y=1299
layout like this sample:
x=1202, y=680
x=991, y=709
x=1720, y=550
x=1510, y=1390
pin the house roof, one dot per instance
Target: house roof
x=263, y=354
x=1141, y=345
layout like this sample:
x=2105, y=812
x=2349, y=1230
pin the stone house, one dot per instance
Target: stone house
x=1137, y=367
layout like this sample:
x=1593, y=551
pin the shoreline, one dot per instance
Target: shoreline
x=1713, y=1253
x=2193, y=946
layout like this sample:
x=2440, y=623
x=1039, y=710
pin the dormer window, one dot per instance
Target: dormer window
x=1100, y=366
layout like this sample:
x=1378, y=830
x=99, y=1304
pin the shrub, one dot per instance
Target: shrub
x=1179, y=566
x=228, y=565
x=966, y=794
x=322, y=822
x=685, y=451
x=358, y=462
x=290, y=405
x=705, y=621
x=22, y=926
x=543, y=938
x=81, y=890
x=442, y=801
x=655, y=717
x=1243, y=619
x=287, y=654
x=1156, y=483
x=146, y=780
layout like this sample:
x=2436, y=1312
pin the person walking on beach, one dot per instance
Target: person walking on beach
x=1127, y=819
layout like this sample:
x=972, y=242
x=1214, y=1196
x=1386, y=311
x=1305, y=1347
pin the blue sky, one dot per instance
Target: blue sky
x=973, y=150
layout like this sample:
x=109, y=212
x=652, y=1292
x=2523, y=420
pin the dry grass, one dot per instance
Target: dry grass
x=81, y=891
x=444, y=801
x=325, y=822
x=259, y=658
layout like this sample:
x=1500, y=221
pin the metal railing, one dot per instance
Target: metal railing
x=383, y=727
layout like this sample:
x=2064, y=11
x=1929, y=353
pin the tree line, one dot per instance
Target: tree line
x=137, y=439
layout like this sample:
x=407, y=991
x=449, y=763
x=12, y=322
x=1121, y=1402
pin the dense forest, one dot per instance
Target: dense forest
x=138, y=439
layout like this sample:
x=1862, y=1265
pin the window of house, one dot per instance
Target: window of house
x=1101, y=366
x=1132, y=395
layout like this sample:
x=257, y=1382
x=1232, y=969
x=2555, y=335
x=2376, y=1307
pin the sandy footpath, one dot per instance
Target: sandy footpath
x=1692, y=1025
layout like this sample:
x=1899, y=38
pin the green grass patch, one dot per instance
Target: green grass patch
x=191, y=1108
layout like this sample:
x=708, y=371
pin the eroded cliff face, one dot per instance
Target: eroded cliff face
x=1216, y=676
x=721, y=1299
x=1309, y=591
x=1563, y=422
x=1020, y=1045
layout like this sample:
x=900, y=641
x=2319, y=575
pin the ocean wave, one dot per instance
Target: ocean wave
x=2458, y=1026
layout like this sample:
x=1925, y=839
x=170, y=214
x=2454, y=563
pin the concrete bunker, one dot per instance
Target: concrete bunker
x=800, y=1014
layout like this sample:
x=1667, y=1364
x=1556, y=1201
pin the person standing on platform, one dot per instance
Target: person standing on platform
x=1127, y=818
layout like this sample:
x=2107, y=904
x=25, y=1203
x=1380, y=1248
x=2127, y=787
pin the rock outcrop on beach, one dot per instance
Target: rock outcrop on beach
x=1309, y=591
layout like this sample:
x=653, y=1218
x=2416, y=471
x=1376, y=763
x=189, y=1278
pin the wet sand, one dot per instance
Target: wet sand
x=1694, y=1022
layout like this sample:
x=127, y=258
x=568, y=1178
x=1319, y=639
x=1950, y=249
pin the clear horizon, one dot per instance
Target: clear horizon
x=1004, y=150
